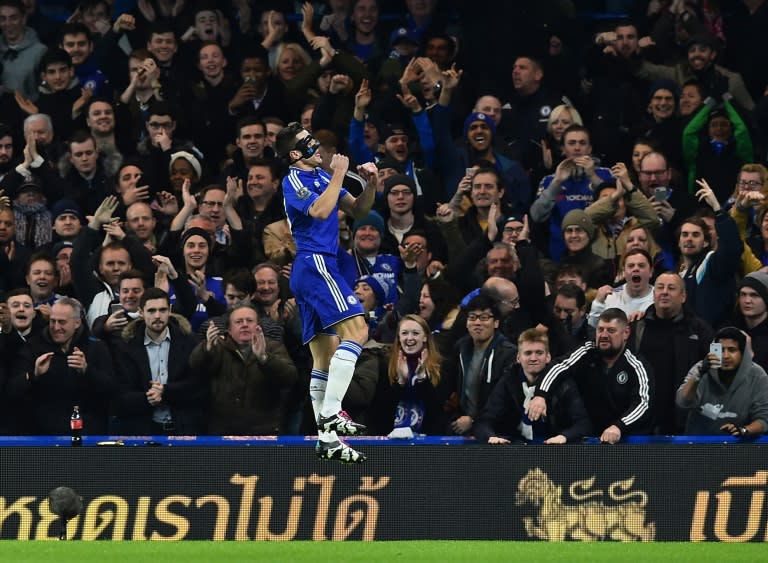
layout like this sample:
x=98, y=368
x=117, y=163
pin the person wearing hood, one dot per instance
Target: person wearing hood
x=716, y=144
x=751, y=313
x=159, y=393
x=726, y=392
x=20, y=46
x=662, y=122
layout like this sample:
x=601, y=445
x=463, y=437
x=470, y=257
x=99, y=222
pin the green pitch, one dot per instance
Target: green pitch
x=418, y=551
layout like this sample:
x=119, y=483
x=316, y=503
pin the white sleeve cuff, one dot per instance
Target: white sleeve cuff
x=23, y=170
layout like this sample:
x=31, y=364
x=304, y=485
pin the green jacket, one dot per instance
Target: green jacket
x=246, y=395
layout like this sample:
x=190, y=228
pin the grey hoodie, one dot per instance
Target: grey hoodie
x=744, y=401
x=21, y=72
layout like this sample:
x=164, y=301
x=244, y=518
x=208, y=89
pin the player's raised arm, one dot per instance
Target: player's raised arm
x=358, y=207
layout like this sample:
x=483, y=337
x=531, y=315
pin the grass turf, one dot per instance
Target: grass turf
x=339, y=552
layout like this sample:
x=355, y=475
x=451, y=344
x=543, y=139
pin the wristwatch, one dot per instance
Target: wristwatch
x=743, y=431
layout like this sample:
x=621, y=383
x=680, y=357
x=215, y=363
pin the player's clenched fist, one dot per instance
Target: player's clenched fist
x=339, y=163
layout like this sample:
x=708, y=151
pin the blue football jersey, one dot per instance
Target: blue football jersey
x=300, y=190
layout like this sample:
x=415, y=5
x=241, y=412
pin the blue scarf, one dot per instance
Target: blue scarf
x=410, y=409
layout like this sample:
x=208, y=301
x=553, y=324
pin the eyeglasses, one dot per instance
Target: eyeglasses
x=513, y=229
x=212, y=203
x=650, y=173
x=163, y=125
x=397, y=193
x=511, y=302
x=751, y=184
x=484, y=318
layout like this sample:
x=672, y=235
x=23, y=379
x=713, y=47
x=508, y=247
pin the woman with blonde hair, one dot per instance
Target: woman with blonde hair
x=417, y=386
x=560, y=118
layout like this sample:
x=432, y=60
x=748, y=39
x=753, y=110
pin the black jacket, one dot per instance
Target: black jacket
x=499, y=355
x=621, y=395
x=53, y=394
x=185, y=391
x=688, y=343
x=503, y=411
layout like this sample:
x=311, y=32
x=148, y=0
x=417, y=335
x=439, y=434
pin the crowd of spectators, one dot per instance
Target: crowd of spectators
x=569, y=238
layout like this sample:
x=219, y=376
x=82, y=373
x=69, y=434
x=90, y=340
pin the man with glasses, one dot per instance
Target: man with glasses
x=747, y=199
x=671, y=203
x=616, y=385
x=402, y=212
x=161, y=142
x=512, y=319
x=229, y=244
x=481, y=359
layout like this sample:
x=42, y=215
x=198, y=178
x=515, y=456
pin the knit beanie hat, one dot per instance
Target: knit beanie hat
x=664, y=84
x=398, y=180
x=66, y=206
x=479, y=116
x=757, y=281
x=389, y=162
x=579, y=218
x=379, y=286
x=373, y=219
x=196, y=231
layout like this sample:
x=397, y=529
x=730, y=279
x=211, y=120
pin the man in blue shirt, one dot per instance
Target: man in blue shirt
x=570, y=187
x=329, y=309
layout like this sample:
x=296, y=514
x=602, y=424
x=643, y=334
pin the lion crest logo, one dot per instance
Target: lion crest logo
x=586, y=519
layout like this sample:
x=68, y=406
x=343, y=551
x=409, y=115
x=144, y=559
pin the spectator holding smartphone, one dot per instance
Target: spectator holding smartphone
x=726, y=391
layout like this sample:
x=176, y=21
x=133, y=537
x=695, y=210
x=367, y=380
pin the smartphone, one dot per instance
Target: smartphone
x=716, y=348
x=470, y=171
x=114, y=308
x=661, y=193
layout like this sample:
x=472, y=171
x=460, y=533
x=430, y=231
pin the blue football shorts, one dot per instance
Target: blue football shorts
x=321, y=293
